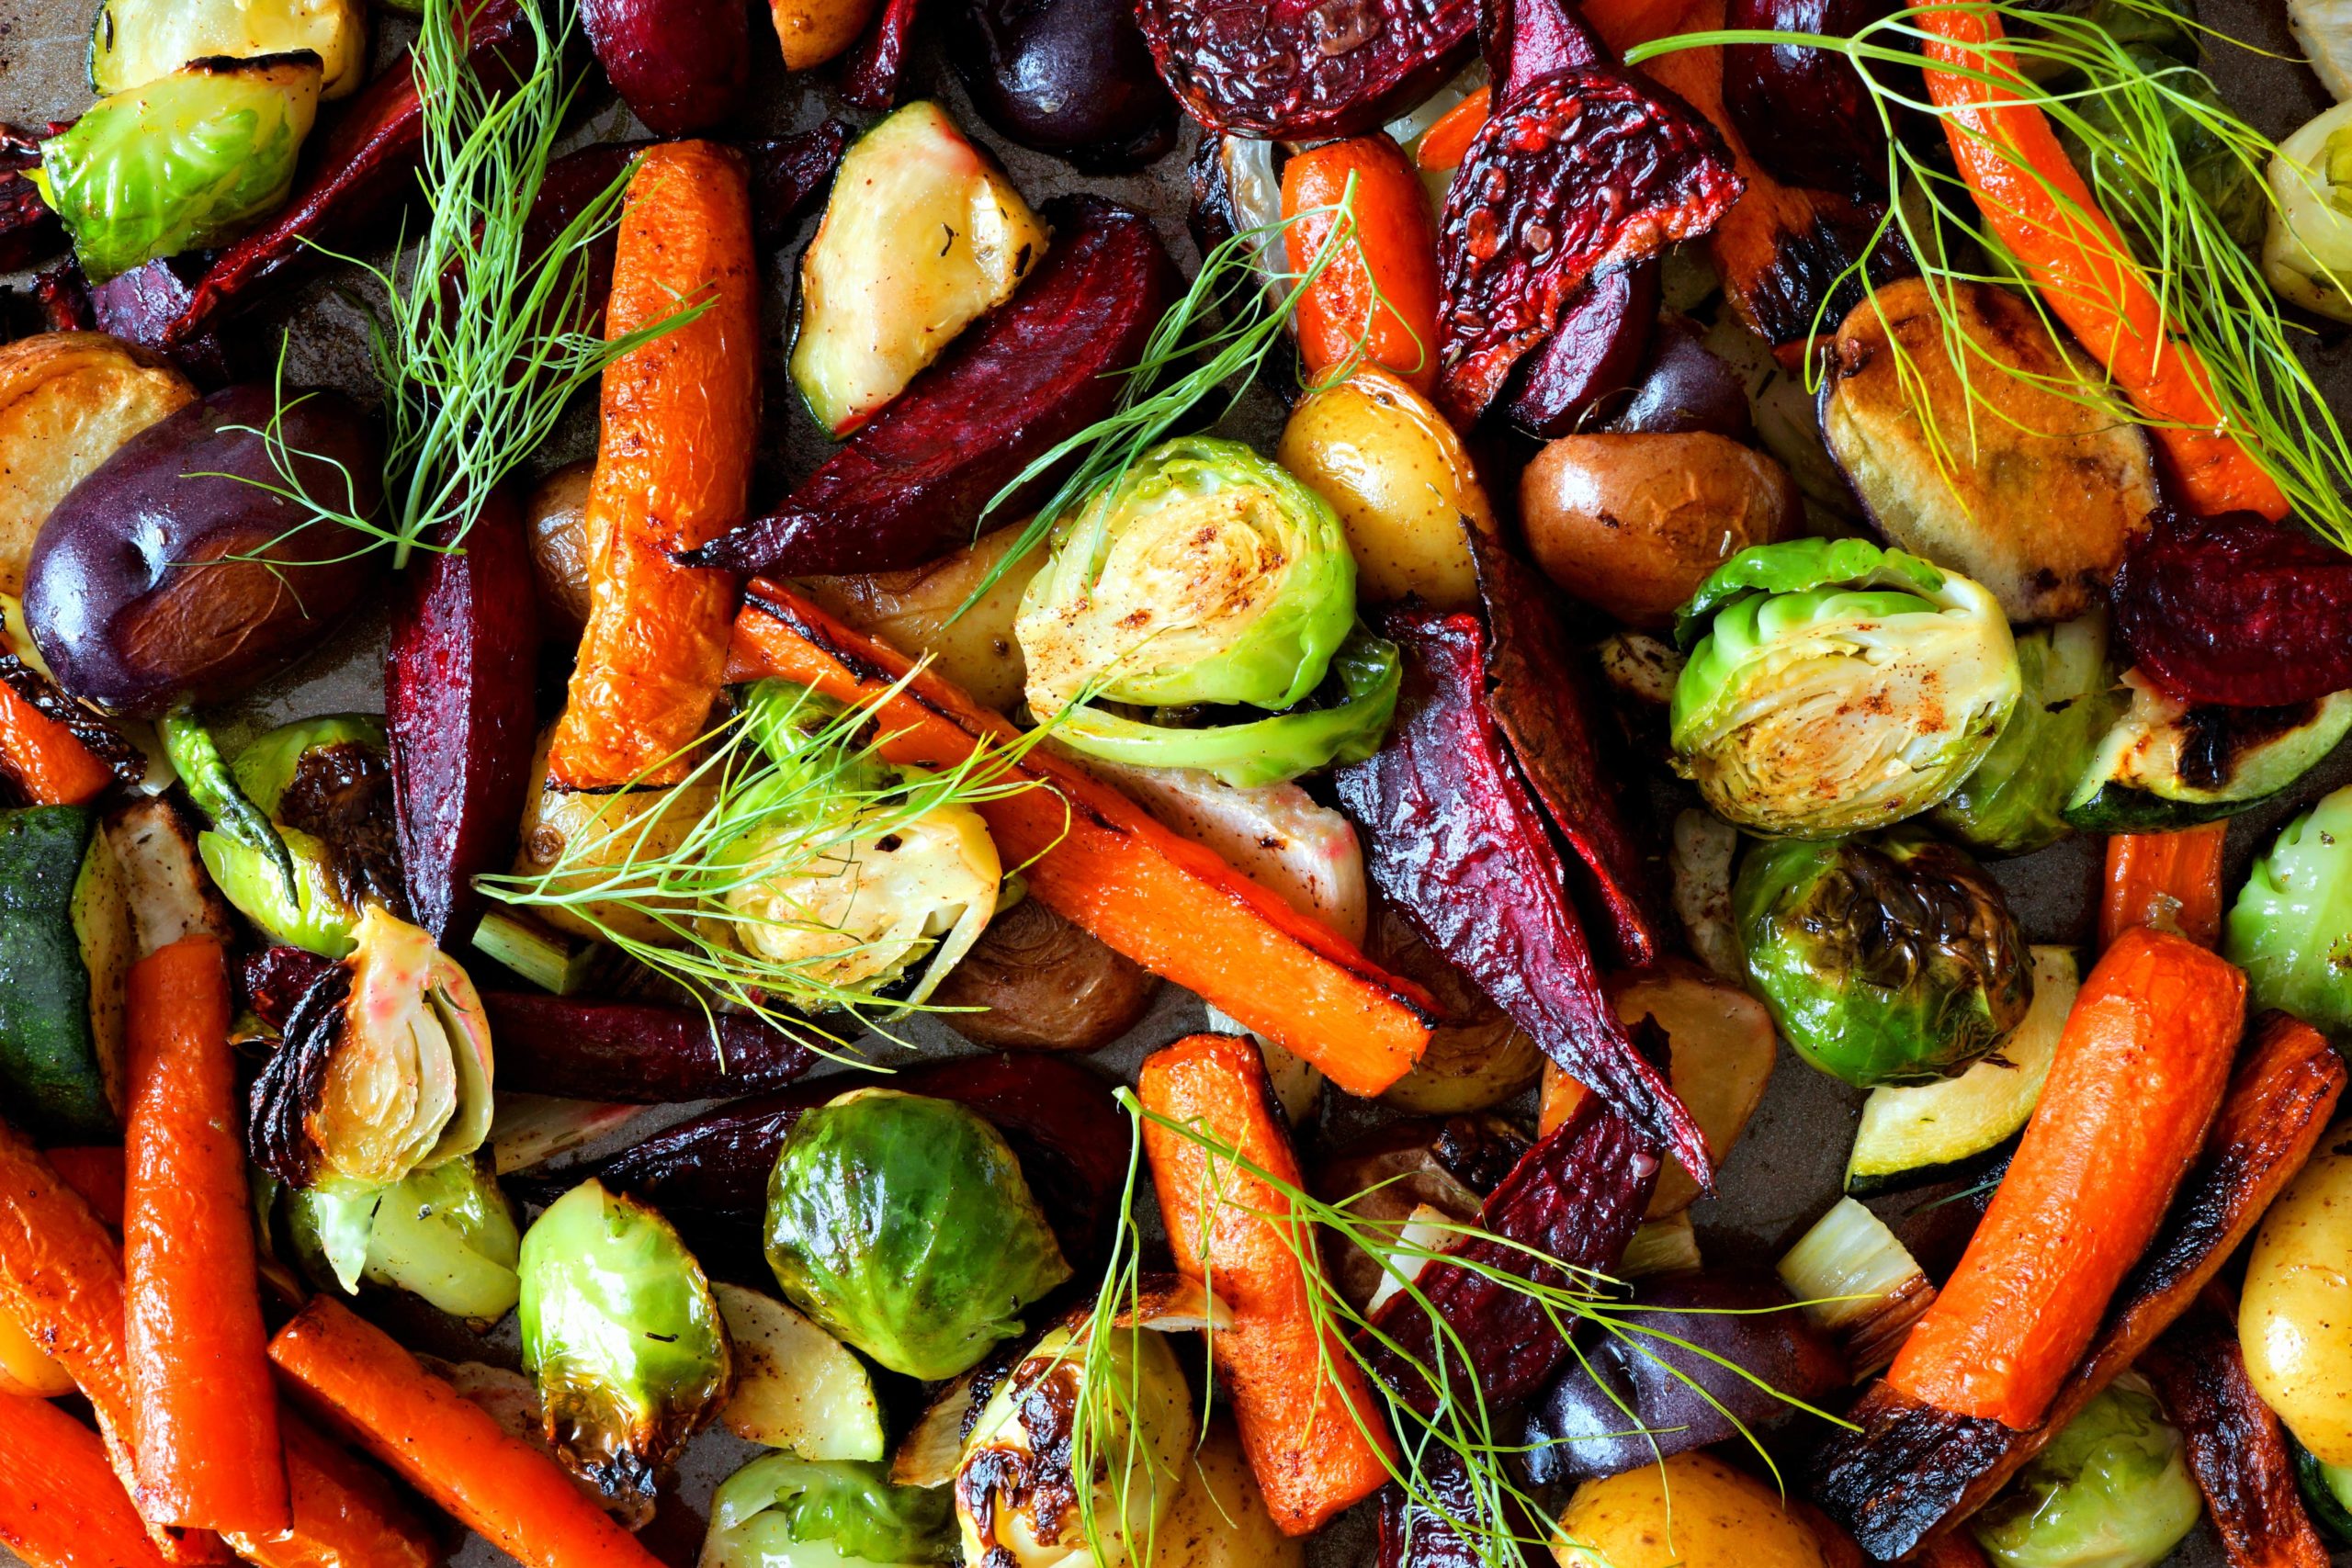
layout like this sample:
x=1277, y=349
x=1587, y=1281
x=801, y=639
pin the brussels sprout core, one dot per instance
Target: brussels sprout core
x=2111, y=1491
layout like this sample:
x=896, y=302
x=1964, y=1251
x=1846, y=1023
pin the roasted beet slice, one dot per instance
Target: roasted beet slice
x=2236, y=611
x=908, y=487
x=1455, y=840
x=461, y=678
x=1526, y=40
x=276, y=979
x=140, y=306
x=1575, y=1199
x=365, y=171
x=681, y=65
x=871, y=81
x=788, y=173
x=1593, y=354
x=1305, y=70
x=635, y=1053
x=1546, y=710
x=1585, y=167
x=1806, y=115
x=64, y=297
x=28, y=229
x=1413, y=1534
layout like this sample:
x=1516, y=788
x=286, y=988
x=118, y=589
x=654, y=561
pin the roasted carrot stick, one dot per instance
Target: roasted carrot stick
x=2138, y=1072
x=673, y=470
x=1446, y=143
x=26, y=1369
x=1315, y=1436
x=346, y=1512
x=2171, y=882
x=96, y=1173
x=47, y=760
x=1379, y=296
x=60, y=1503
x=2036, y=203
x=204, y=1410
x=447, y=1447
x=1096, y=858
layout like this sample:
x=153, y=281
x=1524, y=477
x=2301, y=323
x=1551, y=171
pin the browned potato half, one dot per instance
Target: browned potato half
x=582, y=830
x=67, y=401
x=813, y=31
x=1046, y=986
x=1633, y=523
x=558, y=515
x=1476, y=1057
x=909, y=610
x=1719, y=1048
x=1397, y=474
x=2030, y=492
x=1690, y=1511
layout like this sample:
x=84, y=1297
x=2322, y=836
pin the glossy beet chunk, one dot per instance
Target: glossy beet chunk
x=149, y=584
x=1582, y=168
x=872, y=79
x=1071, y=77
x=2236, y=611
x=786, y=174
x=1526, y=40
x=140, y=306
x=1593, y=354
x=681, y=65
x=1805, y=115
x=908, y=487
x=635, y=1053
x=461, y=678
x=1304, y=70
x=28, y=229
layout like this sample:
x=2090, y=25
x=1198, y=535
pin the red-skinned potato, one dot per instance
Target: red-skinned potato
x=1041, y=984
x=1633, y=523
x=133, y=592
x=681, y=65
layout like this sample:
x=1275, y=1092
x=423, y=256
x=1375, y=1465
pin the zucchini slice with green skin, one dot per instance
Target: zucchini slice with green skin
x=2327, y=1492
x=1943, y=1131
x=65, y=947
x=2167, y=766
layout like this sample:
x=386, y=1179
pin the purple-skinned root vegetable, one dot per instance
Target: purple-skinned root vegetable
x=1805, y=115
x=631, y=1051
x=176, y=572
x=1071, y=77
x=1593, y=354
x=460, y=680
x=1300, y=71
x=681, y=65
x=786, y=174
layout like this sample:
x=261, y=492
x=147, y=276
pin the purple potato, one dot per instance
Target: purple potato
x=1685, y=387
x=681, y=65
x=171, y=574
x=1069, y=77
x=1579, y=1427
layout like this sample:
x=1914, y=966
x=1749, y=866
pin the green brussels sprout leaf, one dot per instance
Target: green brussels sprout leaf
x=316, y=919
x=771, y=1510
x=444, y=1235
x=2291, y=929
x=903, y=1226
x=1795, y=566
x=267, y=766
x=2112, y=1490
x=2069, y=698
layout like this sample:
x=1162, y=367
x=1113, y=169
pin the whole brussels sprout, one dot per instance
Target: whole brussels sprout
x=1885, y=960
x=780, y=1511
x=2070, y=697
x=1833, y=686
x=1015, y=1498
x=624, y=1339
x=2291, y=929
x=2112, y=1490
x=903, y=1226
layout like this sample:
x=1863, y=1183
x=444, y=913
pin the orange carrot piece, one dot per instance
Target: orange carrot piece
x=96, y=1173
x=681, y=419
x=1395, y=249
x=446, y=1446
x=1315, y=1435
x=1444, y=144
x=2169, y=881
x=47, y=760
x=2138, y=1076
x=61, y=1506
x=1096, y=858
x=346, y=1512
x=2035, y=202
x=204, y=1410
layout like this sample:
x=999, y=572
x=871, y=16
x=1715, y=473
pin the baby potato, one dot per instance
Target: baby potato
x=1397, y=474
x=914, y=610
x=2295, y=1314
x=813, y=31
x=1691, y=1511
x=1633, y=523
x=586, y=830
x=557, y=514
x=1219, y=1520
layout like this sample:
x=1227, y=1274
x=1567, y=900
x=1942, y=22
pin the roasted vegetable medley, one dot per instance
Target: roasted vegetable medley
x=1046, y=784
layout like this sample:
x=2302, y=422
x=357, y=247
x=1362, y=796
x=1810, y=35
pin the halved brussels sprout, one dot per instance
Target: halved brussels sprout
x=1207, y=574
x=2112, y=1490
x=317, y=919
x=904, y=1227
x=444, y=1235
x=182, y=163
x=1835, y=686
x=1016, y=1499
x=624, y=1339
x=1885, y=960
x=266, y=766
x=384, y=1069
x=2069, y=697
x=2291, y=929
x=782, y=1512
x=2307, y=255
x=134, y=42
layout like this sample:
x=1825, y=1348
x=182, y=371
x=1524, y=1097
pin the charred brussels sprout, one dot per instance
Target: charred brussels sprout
x=1016, y=1499
x=2112, y=1490
x=444, y=1235
x=2290, y=930
x=781, y=1512
x=1833, y=685
x=1885, y=960
x=2069, y=697
x=323, y=789
x=903, y=1226
x=1207, y=575
x=623, y=1337
x=182, y=162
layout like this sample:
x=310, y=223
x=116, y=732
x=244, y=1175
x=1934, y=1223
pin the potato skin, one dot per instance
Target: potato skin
x=1046, y=986
x=2295, y=1314
x=68, y=401
x=1397, y=474
x=1717, y=1518
x=1219, y=1519
x=1633, y=523
x=813, y=31
x=914, y=611
x=557, y=514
